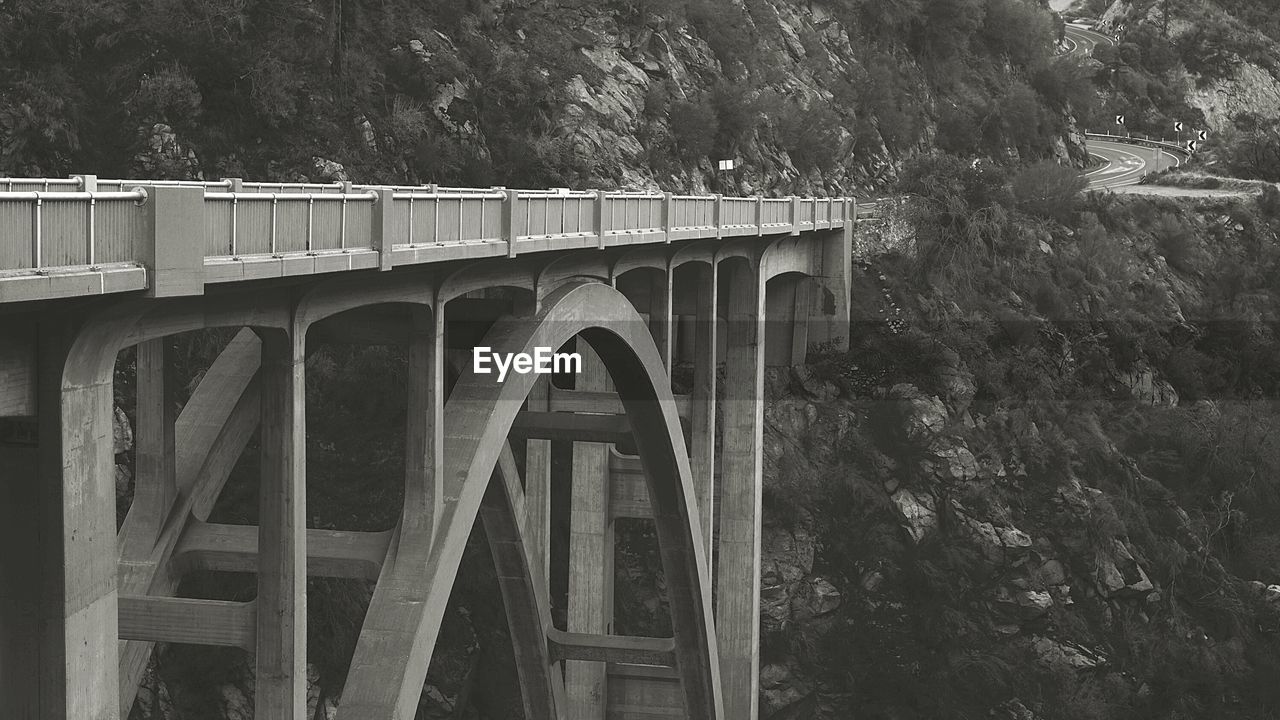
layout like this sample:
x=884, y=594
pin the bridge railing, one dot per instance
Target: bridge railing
x=43, y=230
x=209, y=229
x=692, y=216
x=419, y=218
x=258, y=223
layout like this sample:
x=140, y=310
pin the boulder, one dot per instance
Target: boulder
x=121, y=432
x=1119, y=575
x=1000, y=545
x=921, y=416
x=814, y=387
x=786, y=560
x=823, y=596
x=1148, y=389
x=775, y=605
x=1055, y=654
x=779, y=688
x=1023, y=604
x=786, y=556
x=919, y=511
x=165, y=154
x=1051, y=572
x=329, y=170
x=1267, y=593
x=948, y=459
x=1014, y=710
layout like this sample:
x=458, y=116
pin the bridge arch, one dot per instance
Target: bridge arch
x=396, y=644
x=105, y=670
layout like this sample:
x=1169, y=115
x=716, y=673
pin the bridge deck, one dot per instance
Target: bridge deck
x=84, y=236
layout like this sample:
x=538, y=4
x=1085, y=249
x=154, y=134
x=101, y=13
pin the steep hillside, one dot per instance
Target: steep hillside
x=812, y=97
x=1042, y=485
x=1229, y=49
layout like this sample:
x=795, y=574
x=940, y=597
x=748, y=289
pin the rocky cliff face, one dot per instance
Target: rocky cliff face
x=1240, y=82
x=816, y=97
x=999, y=528
x=1250, y=89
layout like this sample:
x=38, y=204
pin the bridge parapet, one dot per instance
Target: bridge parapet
x=86, y=236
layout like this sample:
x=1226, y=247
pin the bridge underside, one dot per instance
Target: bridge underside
x=83, y=601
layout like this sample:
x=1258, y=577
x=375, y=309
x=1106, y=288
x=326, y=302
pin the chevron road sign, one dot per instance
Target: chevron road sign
x=1119, y=119
x=1202, y=134
x=1191, y=145
x=1177, y=127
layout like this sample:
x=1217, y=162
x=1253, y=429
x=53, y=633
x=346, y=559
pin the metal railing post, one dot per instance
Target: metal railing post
x=89, y=184
x=759, y=215
x=795, y=215
x=599, y=218
x=718, y=215
x=509, y=219
x=666, y=217
x=380, y=232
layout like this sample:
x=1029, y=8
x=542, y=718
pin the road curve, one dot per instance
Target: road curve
x=1124, y=164
x=1081, y=41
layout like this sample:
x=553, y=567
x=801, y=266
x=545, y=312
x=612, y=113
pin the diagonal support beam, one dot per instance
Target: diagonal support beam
x=187, y=621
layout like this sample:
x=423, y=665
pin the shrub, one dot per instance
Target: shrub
x=694, y=126
x=1177, y=242
x=1049, y=190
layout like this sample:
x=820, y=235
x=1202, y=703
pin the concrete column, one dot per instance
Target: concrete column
x=58, y=607
x=282, y=550
x=702, y=446
x=686, y=332
x=537, y=484
x=590, y=555
x=738, y=568
x=660, y=317
x=81, y=621
x=424, y=429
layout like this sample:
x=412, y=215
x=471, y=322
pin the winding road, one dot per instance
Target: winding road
x=1122, y=164
x=1081, y=40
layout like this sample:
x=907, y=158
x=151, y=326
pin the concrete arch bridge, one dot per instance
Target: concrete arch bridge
x=636, y=283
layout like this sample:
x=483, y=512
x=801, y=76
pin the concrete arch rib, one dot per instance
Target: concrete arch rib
x=524, y=593
x=396, y=643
